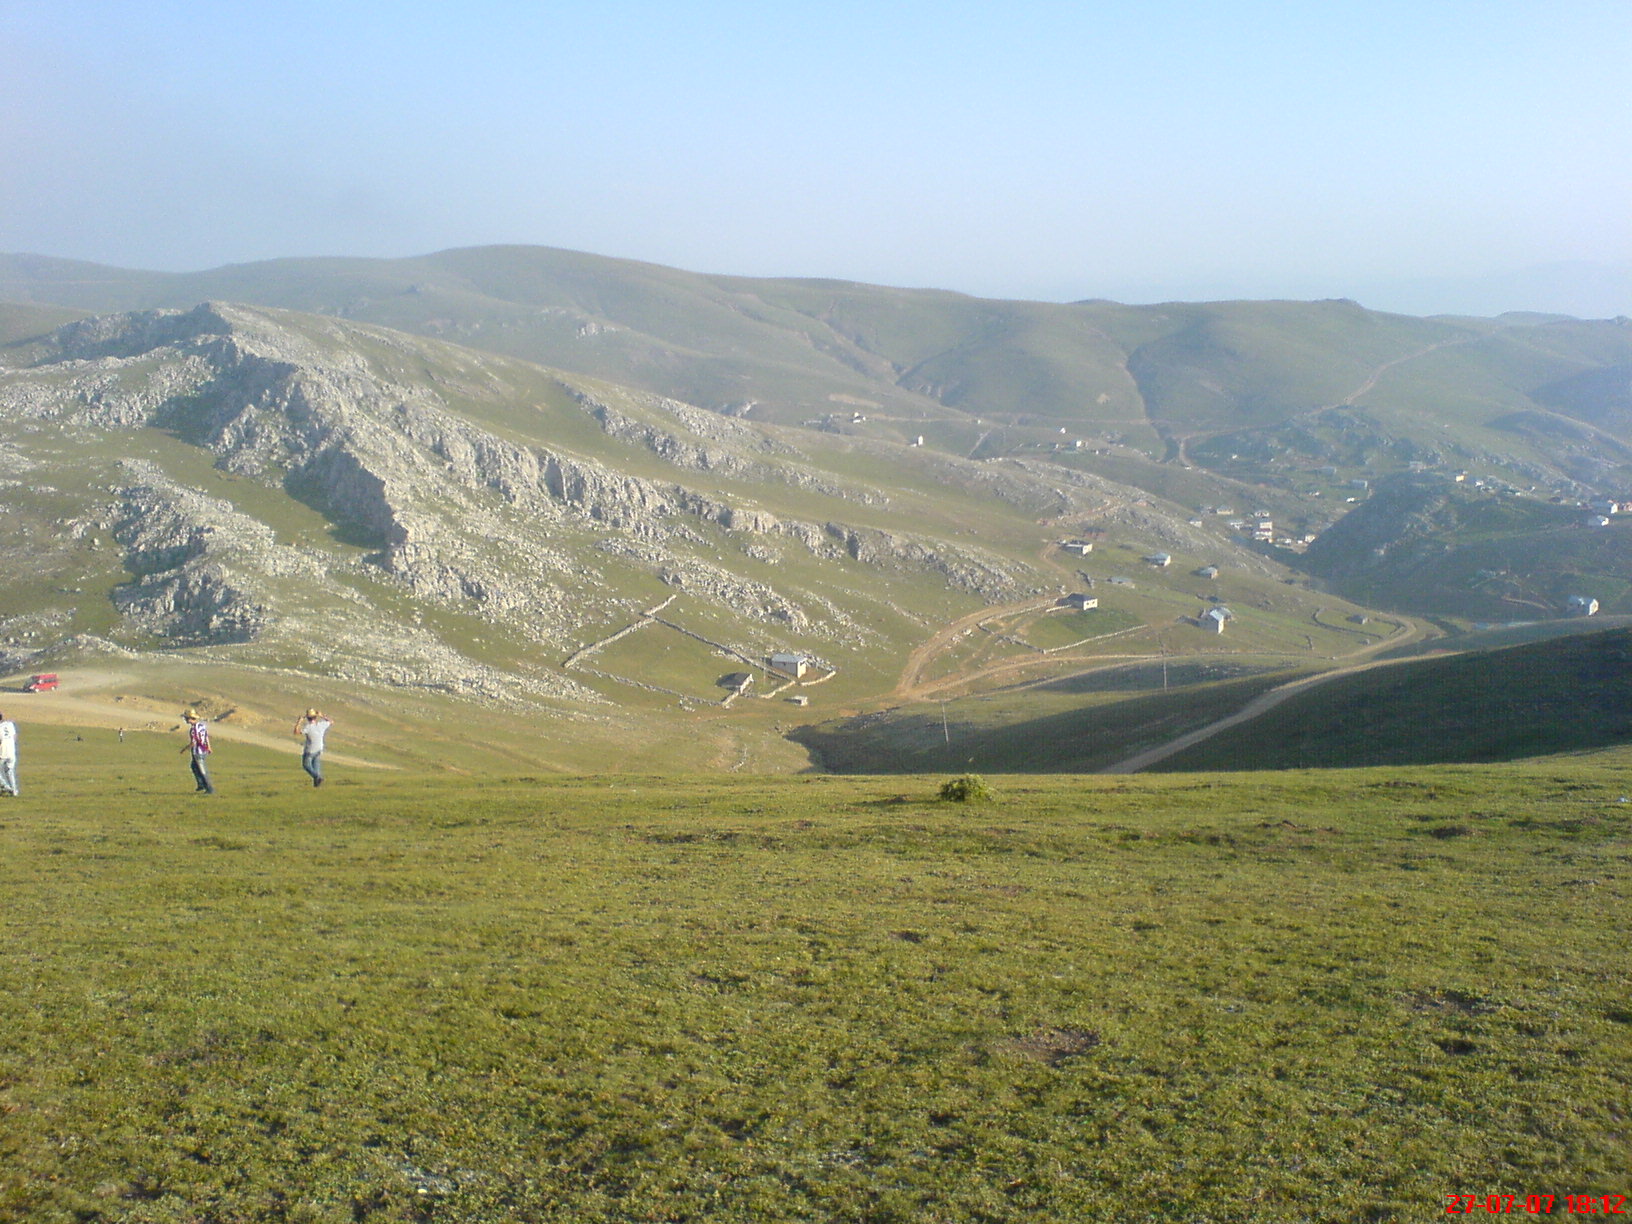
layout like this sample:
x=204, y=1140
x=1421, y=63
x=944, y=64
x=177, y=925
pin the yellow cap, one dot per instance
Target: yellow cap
x=311, y=713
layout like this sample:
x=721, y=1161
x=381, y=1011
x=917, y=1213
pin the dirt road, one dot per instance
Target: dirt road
x=911, y=683
x=1258, y=705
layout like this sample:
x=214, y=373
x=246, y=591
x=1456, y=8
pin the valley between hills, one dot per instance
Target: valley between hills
x=559, y=510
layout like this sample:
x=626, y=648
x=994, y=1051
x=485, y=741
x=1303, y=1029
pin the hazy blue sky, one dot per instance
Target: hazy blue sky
x=1135, y=150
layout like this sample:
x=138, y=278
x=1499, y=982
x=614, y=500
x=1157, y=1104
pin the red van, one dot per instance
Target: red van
x=42, y=683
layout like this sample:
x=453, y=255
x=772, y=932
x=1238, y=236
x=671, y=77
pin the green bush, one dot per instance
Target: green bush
x=970, y=788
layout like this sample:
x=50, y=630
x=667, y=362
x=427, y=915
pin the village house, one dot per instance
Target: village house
x=1581, y=605
x=1081, y=547
x=1081, y=602
x=1207, y=571
x=1160, y=560
x=795, y=665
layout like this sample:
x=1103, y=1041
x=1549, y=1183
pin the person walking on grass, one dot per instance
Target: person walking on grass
x=311, y=730
x=198, y=743
x=8, y=755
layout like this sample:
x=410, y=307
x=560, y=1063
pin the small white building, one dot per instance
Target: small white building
x=1582, y=605
x=795, y=665
x=1081, y=602
x=1081, y=547
x=1207, y=571
x=1160, y=560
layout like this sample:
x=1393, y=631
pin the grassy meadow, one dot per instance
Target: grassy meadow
x=1318, y=996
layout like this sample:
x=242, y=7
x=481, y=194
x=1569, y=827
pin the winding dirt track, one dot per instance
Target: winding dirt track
x=1258, y=705
x=911, y=684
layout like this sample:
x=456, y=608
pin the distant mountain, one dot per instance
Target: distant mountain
x=1578, y=288
x=796, y=350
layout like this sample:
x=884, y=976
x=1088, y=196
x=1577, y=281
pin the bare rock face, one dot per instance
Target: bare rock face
x=360, y=469
x=182, y=546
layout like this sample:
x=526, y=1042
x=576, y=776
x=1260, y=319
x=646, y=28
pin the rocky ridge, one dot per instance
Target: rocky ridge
x=451, y=510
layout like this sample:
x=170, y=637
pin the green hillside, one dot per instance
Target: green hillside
x=1567, y=695
x=1328, y=996
x=1435, y=547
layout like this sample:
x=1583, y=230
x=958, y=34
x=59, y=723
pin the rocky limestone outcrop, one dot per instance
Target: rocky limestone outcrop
x=182, y=547
x=437, y=501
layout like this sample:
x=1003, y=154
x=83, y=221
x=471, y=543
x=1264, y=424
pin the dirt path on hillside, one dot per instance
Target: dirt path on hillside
x=911, y=684
x=90, y=706
x=1260, y=704
x=1371, y=382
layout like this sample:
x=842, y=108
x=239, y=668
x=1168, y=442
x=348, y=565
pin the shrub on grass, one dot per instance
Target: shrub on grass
x=970, y=788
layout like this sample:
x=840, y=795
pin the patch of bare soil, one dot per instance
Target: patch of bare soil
x=1053, y=1045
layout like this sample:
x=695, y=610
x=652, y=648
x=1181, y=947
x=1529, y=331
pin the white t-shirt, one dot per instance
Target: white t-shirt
x=8, y=740
x=314, y=732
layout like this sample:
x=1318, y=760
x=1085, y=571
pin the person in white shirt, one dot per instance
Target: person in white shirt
x=8, y=756
x=198, y=745
x=311, y=729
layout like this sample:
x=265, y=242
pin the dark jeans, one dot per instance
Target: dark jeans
x=202, y=774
